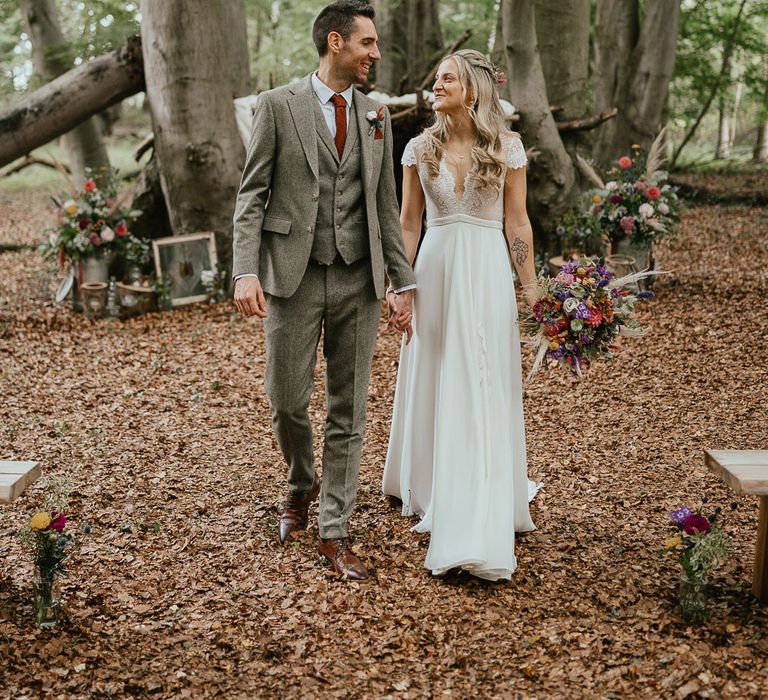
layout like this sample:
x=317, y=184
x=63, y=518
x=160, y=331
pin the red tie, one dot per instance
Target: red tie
x=341, y=122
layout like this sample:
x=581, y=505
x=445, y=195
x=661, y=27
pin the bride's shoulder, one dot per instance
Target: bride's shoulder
x=413, y=150
x=514, y=152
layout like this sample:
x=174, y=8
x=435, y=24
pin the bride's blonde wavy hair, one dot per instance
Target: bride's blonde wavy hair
x=478, y=81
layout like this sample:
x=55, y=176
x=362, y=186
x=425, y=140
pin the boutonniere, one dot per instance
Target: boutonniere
x=376, y=120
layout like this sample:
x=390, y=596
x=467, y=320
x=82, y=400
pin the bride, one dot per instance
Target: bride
x=456, y=453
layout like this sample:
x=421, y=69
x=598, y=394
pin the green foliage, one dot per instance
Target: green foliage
x=705, y=29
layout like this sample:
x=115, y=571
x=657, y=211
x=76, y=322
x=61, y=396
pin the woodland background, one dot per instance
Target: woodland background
x=161, y=424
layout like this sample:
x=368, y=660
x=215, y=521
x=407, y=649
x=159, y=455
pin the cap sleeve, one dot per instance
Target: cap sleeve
x=409, y=154
x=515, y=153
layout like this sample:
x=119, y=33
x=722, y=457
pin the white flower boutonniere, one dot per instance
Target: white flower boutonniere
x=376, y=120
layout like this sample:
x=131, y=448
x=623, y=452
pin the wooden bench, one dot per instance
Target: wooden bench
x=15, y=477
x=747, y=471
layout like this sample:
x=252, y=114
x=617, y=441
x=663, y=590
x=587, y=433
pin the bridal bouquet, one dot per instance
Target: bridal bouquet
x=581, y=313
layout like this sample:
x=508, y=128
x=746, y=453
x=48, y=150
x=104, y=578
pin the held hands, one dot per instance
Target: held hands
x=249, y=297
x=401, y=312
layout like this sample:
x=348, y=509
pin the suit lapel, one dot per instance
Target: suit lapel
x=321, y=127
x=366, y=143
x=300, y=104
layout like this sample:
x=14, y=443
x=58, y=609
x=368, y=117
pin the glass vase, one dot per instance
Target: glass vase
x=46, y=589
x=693, y=598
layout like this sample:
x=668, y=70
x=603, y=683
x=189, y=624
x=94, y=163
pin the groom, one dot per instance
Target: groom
x=316, y=228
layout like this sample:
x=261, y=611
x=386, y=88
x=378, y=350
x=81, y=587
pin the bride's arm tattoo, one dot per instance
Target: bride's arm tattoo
x=520, y=251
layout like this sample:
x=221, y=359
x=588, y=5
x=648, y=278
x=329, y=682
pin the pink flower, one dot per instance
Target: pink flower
x=695, y=523
x=58, y=522
x=596, y=209
x=640, y=185
x=653, y=193
x=94, y=238
x=627, y=224
x=90, y=185
x=121, y=229
x=107, y=234
x=565, y=278
x=625, y=162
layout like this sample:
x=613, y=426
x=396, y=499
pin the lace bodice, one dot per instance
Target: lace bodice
x=440, y=195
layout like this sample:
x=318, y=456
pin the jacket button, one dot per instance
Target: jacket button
x=309, y=229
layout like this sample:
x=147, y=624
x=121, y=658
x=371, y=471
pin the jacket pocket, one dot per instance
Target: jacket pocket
x=275, y=224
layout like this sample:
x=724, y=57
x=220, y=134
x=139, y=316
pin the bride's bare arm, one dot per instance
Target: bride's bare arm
x=412, y=210
x=517, y=229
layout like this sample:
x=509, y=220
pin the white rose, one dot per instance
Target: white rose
x=646, y=210
x=569, y=305
x=206, y=277
x=107, y=234
x=611, y=186
x=663, y=208
x=370, y=116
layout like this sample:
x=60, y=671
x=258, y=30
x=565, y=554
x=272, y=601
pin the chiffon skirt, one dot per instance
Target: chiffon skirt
x=456, y=453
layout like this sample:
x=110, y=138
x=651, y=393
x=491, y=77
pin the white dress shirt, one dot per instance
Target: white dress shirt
x=324, y=95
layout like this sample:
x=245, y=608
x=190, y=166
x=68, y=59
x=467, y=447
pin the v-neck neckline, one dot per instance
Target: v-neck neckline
x=459, y=199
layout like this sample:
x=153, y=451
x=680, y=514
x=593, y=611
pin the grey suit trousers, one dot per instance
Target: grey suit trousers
x=340, y=301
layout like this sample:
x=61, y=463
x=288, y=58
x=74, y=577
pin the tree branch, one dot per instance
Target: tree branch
x=454, y=47
x=32, y=160
x=588, y=122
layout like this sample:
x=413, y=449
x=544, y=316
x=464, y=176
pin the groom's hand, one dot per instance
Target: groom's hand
x=249, y=297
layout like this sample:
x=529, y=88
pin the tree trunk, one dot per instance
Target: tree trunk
x=735, y=113
x=760, y=154
x=192, y=75
x=633, y=71
x=51, y=57
x=551, y=177
x=410, y=32
x=723, y=150
x=565, y=23
x=62, y=104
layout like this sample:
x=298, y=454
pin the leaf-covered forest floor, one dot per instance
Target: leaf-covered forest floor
x=181, y=590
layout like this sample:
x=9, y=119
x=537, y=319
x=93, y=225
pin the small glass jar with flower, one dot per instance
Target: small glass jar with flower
x=701, y=546
x=49, y=537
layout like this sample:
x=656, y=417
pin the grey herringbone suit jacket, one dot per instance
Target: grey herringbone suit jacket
x=277, y=204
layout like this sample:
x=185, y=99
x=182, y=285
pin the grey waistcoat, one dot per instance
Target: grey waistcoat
x=341, y=223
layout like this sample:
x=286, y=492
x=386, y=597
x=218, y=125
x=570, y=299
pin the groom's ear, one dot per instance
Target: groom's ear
x=335, y=42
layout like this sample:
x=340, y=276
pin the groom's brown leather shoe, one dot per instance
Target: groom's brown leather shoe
x=343, y=559
x=294, y=515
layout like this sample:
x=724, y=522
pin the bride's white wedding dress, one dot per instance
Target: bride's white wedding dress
x=456, y=452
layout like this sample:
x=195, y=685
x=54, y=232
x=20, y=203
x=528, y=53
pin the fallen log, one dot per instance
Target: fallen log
x=62, y=104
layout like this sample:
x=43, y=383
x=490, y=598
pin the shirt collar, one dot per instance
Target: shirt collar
x=324, y=93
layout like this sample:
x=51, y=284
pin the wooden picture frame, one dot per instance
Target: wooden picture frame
x=183, y=259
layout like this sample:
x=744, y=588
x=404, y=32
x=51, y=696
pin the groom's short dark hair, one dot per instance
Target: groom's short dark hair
x=338, y=17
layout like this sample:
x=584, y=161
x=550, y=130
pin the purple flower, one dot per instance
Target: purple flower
x=582, y=311
x=679, y=515
x=645, y=294
x=630, y=189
